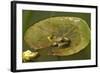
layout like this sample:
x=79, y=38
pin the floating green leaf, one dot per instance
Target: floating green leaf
x=66, y=35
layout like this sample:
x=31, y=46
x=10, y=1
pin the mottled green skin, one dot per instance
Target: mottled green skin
x=76, y=29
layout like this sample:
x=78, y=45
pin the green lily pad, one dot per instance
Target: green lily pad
x=73, y=29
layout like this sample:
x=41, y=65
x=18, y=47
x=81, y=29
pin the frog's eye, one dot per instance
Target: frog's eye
x=50, y=38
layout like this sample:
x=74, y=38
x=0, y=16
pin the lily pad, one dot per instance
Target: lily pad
x=66, y=35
